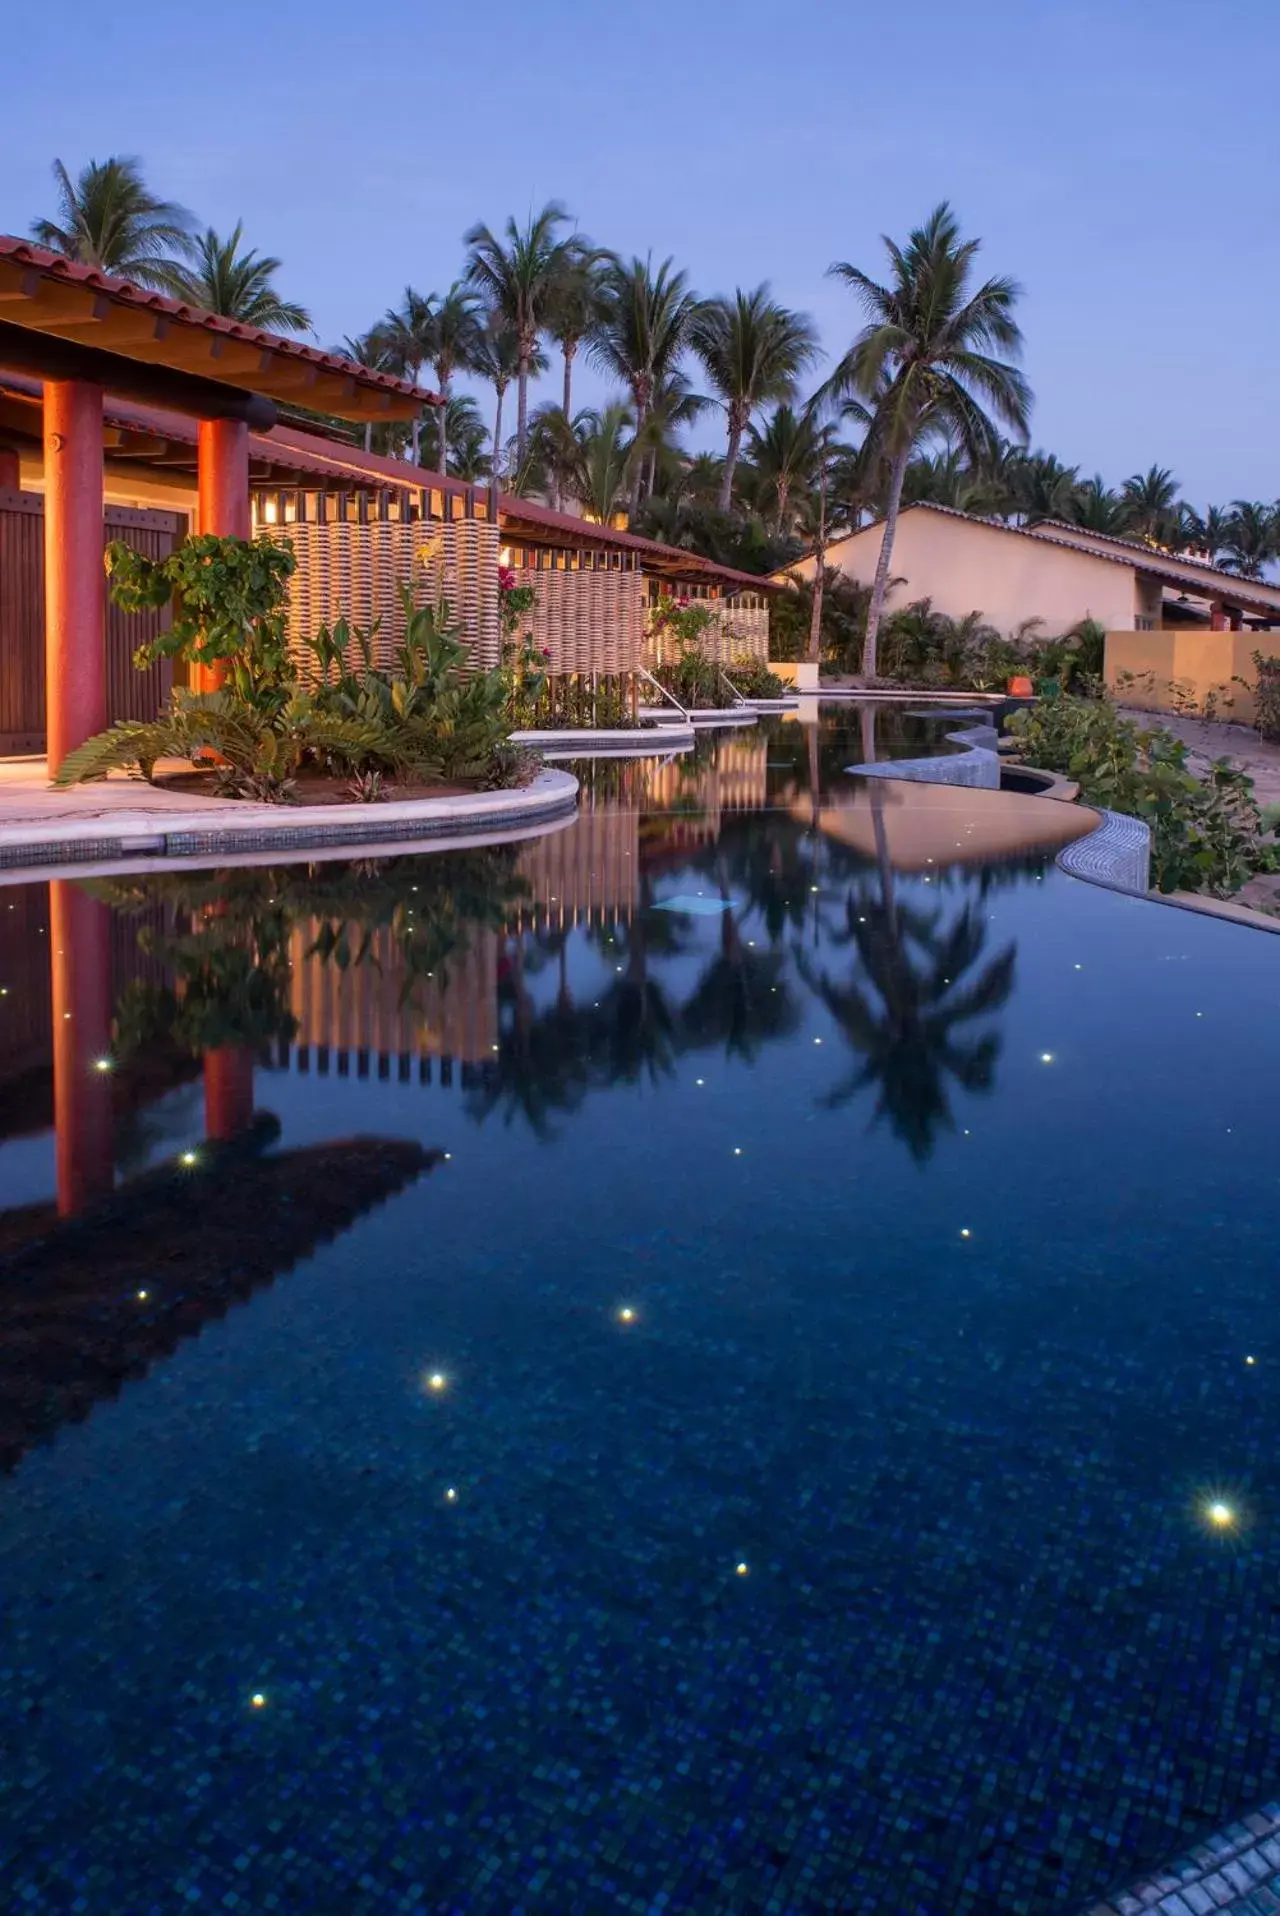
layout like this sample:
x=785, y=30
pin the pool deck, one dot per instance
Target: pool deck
x=122, y=818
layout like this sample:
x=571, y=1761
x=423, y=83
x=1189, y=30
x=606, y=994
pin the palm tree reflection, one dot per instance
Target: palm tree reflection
x=906, y=1011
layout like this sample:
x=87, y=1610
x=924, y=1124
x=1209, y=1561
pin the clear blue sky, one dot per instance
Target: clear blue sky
x=1119, y=157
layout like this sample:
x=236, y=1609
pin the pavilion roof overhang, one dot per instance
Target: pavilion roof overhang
x=60, y=302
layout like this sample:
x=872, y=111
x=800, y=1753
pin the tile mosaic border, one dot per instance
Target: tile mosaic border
x=1236, y=1869
x=1116, y=856
x=552, y=795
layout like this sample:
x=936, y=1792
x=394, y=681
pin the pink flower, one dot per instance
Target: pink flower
x=546, y=651
x=506, y=579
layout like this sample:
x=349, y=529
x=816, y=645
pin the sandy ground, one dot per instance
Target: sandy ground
x=1256, y=756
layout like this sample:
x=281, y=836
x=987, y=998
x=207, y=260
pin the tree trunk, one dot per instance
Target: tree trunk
x=881, y=585
x=570, y=348
x=651, y=471
x=730, y=461
x=820, y=573
x=413, y=437
x=368, y=435
x=497, y=433
x=444, y=427
x=867, y=725
x=522, y=411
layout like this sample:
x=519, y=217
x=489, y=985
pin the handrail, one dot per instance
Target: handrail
x=657, y=683
x=737, y=696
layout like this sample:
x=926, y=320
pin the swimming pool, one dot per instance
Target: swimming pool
x=692, y=1364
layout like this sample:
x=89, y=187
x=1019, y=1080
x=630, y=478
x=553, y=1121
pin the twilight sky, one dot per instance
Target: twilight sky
x=1119, y=157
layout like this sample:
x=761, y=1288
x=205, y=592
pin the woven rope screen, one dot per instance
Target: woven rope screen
x=739, y=629
x=356, y=571
x=588, y=621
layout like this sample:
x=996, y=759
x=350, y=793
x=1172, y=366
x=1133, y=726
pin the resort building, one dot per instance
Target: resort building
x=1171, y=622
x=128, y=415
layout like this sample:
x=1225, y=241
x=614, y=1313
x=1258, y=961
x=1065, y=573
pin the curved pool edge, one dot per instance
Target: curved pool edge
x=155, y=836
x=1118, y=853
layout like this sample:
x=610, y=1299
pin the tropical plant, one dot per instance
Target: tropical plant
x=454, y=346
x=785, y=458
x=927, y=357
x=753, y=351
x=641, y=331
x=109, y=218
x=753, y=680
x=924, y=647
x=1206, y=834
x=467, y=438
x=1044, y=489
x=841, y=608
x=238, y=285
x=497, y=361
x=600, y=468
x=228, y=609
x=574, y=307
x=1151, y=509
x=1266, y=702
x=407, y=338
x=1096, y=508
x=1205, y=536
x=519, y=276
x=1252, y=538
x=261, y=752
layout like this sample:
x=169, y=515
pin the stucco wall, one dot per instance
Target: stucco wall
x=1195, y=661
x=965, y=566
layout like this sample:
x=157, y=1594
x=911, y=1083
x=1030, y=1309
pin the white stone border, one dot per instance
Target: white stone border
x=202, y=833
x=581, y=742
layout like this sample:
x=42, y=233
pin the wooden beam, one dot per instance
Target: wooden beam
x=46, y=357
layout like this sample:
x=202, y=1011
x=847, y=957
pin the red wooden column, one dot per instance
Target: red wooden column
x=80, y=958
x=223, y=500
x=228, y=1091
x=10, y=470
x=75, y=584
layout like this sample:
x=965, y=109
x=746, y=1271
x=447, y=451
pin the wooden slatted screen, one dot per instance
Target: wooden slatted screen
x=130, y=694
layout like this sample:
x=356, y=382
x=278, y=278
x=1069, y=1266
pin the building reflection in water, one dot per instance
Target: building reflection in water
x=432, y=970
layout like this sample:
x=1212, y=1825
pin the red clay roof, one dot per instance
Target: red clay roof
x=34, y=278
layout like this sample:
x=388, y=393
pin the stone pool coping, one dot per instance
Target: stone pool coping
x=89, y=826
x=706, y=715
x=1238, y=1868
x=580, y=741
x=1117, y=856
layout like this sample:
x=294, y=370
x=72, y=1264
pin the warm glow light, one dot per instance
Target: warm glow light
x=189, y=1158
x=451, y=1495
x=737, y=1150
x=257, y=1700
x=817, y=1041
x=1046, y=1057
x=966, y=1233
x=142, y=1298
x=1250, y=1360
x=743, y=1569
x=627, y=1314
x=437, y=1380
x=102, y=1064
x=1221, y=1516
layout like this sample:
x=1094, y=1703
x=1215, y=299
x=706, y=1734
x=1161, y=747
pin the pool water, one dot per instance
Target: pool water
x=697, y=1363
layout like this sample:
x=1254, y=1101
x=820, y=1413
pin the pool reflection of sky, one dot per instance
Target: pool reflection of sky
x=798, y=1447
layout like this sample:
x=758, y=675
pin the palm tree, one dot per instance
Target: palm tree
x=238, y=285
x=1151, y=505
x=467, y=438
x=519, y=277
x=407, y=337
x=1207, y=535
x=575, y=307
x=932, y=336
x=1252, y=538
x=785, y=457
x=454, y=344
x=1044, y=488
x=672, y=404
x=109, y=218
x=602, y=461
x=1096, y=508
x=367, y=349
x=641, y=332
x=754, y=352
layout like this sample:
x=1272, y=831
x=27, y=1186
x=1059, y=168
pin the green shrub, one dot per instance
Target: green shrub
x=228, y=602
x=1206, y=835
x=754, y=680
x=1266, y=709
